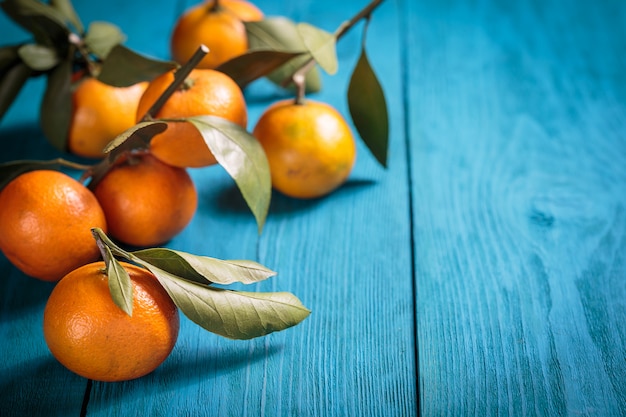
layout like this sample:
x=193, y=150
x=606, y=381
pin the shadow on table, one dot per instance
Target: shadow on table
x=263, y=93
x=25, y=141
x=23, y=390
x=184, y=368
x=230, y=200
x=209, y=361
x=20, y=294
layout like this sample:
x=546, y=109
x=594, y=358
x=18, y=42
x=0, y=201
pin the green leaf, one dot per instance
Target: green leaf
x=66, y=9
x=281, y=34
x=169, y=261
x=203, y=269
x=136, y=137
x=232, y=314
x=321, y=45
x=123, y=67
x=274, y=33
x=38, y=57
x=56, y=107
x=12, y=80
x=241, y=155
x=9, y=57
x=21, y=11
x=368, y=108
x=255, y=64
x=102, y=37
x=120, y=285
x=45, y=22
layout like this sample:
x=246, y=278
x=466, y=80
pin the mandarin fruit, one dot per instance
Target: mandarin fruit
x=146, y=202
x=204, y=92
x=45, y=224
x=217, y=25
x=309, y=146
x=91, y=336
x=100, y=113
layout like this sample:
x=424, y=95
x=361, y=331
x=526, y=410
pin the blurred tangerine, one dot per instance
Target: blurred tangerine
x=217, y=25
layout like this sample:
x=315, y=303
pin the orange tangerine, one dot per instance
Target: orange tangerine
x=219, y=26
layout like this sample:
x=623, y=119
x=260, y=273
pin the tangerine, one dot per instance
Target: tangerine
x=145, y=201
x=91, y=336
x=100, y=113
x=309, y=146
x=217, y=25
x=46, y=218
x=204, y=92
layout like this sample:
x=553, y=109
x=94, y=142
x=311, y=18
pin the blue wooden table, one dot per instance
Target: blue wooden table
x=483, y=273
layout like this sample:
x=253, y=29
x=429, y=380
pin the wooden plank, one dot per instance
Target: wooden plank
x=32, y=382
x=518, y=160
x=346, y=256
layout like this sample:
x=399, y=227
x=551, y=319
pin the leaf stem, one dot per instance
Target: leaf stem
x=69, y=164
x=102, y=240
x=363, y=14
x=179, y=77
x=79, y=43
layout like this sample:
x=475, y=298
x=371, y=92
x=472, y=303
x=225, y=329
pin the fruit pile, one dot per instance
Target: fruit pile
x=144, y=122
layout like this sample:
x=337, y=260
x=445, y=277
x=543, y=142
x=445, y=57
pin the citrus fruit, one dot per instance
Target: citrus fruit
x=219, y=26
x=145, y=201
x=309, y=146
x=45, y=224
x=100, y=113
x=91, y=336
x=204, y=92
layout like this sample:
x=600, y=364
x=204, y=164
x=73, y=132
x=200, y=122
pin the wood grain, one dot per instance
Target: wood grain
x=497, y=233
x=31, y=380
x=518, y=160
x=347, y=257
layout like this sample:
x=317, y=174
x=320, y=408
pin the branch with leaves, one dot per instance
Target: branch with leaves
x=285, y=52
x=190, y=282
x=290, y=53
x=281, y=50
x=62, y=47
x=246, y=162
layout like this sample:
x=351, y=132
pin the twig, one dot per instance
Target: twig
x=363, y=14
x=98, y=171
x=298, y=77
x=179, y=77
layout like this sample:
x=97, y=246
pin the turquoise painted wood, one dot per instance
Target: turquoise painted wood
x=481, y=274
x=354, y=355
x=518, y=166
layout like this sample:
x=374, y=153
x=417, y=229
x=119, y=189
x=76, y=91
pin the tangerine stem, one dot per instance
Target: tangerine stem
x=103, y=240
x=298, y=77
x=79, y=43
x=363, y=14
x=69, y=164
x=179, y=77
x=102, y=247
